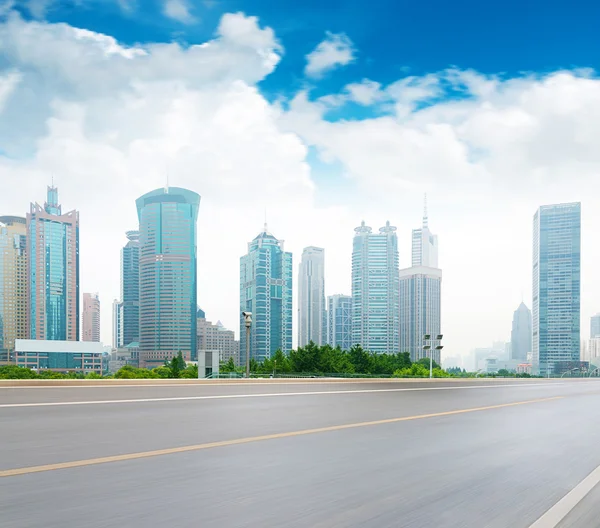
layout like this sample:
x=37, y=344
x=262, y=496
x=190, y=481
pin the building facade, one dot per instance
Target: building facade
x=375, y=289
x=13, y=284
x=339, y=321
x=595, y=326
x=520, y=336
x=130, y=288
x=168, y=269
x=311, y=297
x=52, y=271
x=556, y=288
x=91, y=317
x=117, y=324
x=266, y=291
x=217, y=337
x=60, y=356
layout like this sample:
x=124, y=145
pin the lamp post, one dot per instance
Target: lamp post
x=248, y=321
x=427, y=339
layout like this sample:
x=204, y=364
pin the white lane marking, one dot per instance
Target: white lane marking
x=564, y=506
x=261, y=395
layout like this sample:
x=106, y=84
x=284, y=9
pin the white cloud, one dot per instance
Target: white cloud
x=8, y=83
x=179, y=10
x=336, y=50
x=365, y=92
x=38, y=8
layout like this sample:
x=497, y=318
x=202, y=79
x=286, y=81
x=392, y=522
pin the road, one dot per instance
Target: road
x=410, y=454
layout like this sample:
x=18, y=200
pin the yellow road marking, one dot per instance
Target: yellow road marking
x=224, y=443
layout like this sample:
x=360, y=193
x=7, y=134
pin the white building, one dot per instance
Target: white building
x=312, y=323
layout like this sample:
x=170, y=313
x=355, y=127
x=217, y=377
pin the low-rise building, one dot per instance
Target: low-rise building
x=217, y=337
x=60, y=356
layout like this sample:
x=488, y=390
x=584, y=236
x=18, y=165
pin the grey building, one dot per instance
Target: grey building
x=339, y=321
x=595, y=326
x=311, y=297
x=520, y=337
x=217, y=337
x=556, y=287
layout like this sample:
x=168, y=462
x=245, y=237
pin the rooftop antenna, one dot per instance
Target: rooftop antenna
x=425, y=219
x=265, y=226
x=167, y=185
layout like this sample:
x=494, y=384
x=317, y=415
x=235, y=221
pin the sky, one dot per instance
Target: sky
x=315, y=115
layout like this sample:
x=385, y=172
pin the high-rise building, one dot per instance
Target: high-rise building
x=130, y=288
x=13, y=284
x=53, y=271
x=167, y=274
x=91, y=317
x=420, y=295
x=117, y=324
x=266, y=291
x=556, y=287
x=311, y=297
x=375, y=289
x=339, y=321
x=520, y=337
x=217, y=337
x=595, y=326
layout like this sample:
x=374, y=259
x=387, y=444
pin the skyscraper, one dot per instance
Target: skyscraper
x=266, y=291
x=91, y=317
x=167, y=274
x=117, y=324
x=311, y=297
x=53, y=271
x=339, y=321
x=130, y=288
x=375, y=289
x=556, y=287
x=420, y=295
x=594, y=326
x=13, y=284
x=520, y=337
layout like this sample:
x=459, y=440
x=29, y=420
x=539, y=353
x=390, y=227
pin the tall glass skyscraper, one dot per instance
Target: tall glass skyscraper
x=339, y=321
x=168, y=271
x=13, y=284
x=556, y=287
x=520, y=336
x=375, y=289
x=53, y=271
x=130, y=289
x=311, y=297
x=420, y=295
x=266, y=291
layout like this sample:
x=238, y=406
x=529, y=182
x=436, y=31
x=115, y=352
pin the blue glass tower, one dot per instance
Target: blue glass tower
x=167, y=267
x=339, y=321
x=376, y=290
x=130, y=289
x=266, y=291
x=556, y=288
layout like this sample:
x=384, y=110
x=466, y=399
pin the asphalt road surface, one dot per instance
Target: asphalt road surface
x=317, y=454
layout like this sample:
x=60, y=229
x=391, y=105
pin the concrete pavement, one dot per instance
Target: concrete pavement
x=412, y=454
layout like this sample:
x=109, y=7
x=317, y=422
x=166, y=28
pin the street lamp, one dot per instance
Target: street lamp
x=427, y=339
x=569, y=371
x=248, y=321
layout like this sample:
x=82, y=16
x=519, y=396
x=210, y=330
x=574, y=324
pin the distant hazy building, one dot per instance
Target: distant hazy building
x=590, y=349
x=556, y=287
x=339, y=321
x=117, y=324
x=520, y=337
x=167, y=274
x=266, y=291
x=420, y=295
x=217, y=337
x=91, y=317
x=594, y=325
x=53, y=271
x=130, y=289
x=311, y=297
x=13, y=284
x=375, y=289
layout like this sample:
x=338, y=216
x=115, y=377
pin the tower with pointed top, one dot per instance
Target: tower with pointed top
x=420, y=293
x=375, y=289
x=266, y=291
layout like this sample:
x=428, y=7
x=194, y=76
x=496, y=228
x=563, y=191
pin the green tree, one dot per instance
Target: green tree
x=130, y=372
x=180, y=361
x=305, y=359
x=360, y=359
x=15, y=372
x=191, y=371
x=227, y=367
x=504, y=373
x=175, y=367
x=93, y=375
x=425, y=363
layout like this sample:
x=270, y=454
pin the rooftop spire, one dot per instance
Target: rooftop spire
x=425, y=218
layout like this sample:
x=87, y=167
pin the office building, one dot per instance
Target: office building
x=217, y=337
x=311, y=297
x=556, y=288
x=520, y=337
x=13, y=284
x=595, y=326
x=339, y=321
x=375, y=289
x=60, y=356
x=130, y=288
x=91, y=317
x=266, y=291
x=420, y=296
x=117, y=324
x=167, y=267
x=53, y=271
